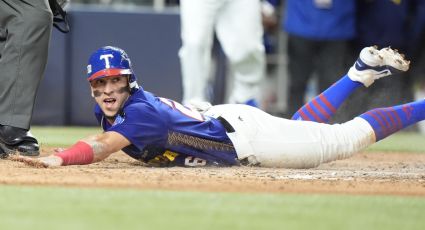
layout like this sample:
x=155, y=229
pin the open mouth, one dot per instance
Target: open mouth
x=109, y=101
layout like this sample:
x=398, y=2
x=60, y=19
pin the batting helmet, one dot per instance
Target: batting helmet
x=111, y=61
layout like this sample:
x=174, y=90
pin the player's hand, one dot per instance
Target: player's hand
x=41, y=162
x=200, y=106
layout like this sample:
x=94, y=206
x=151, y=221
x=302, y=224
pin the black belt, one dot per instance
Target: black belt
x=227, y=126
x=248, y=161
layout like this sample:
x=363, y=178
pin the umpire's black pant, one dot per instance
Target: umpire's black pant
x=26, y=27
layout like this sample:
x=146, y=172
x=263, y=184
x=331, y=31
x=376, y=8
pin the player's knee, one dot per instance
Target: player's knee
x=195, y=51
x=196, y=42
x=253, y=54
x=349, y=138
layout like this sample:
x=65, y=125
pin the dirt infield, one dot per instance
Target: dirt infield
x=365, y=173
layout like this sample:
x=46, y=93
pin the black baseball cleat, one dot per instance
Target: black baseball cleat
x=17, y=140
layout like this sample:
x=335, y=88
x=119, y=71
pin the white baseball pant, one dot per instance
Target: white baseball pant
x=283, y=143
x=238, y=27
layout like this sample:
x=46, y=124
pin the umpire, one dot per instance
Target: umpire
x=25, y=30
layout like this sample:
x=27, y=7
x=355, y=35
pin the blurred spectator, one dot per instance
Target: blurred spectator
x=238, y=27
x=416, y=48
x=395, y=23
x=319, y=32
x=270, y=24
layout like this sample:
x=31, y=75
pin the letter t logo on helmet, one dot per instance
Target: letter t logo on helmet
x=106, y=58
x=111, y=61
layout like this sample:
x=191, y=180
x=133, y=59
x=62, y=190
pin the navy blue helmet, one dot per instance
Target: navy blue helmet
x=111, y=61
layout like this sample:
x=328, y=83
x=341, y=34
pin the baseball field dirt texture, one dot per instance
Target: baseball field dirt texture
x=365, y=173
x=394, y=173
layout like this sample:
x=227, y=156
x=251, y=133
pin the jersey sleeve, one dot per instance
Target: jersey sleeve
x=98, y=114
x=141, y=126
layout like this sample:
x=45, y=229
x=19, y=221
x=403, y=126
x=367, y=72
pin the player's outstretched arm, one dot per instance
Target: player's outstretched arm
x=105, y=144
x=86, y=151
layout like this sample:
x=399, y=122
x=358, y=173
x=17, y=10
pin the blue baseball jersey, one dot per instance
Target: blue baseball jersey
x=163, y=132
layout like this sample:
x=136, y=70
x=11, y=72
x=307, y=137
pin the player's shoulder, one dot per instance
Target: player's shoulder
x=141, y=108
x=98, y=112
x=140, y=104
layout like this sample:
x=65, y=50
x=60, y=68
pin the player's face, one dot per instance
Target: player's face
x=110, y=93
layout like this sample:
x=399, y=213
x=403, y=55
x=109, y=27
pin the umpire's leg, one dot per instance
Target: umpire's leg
x=3, y=36
x=23, y=60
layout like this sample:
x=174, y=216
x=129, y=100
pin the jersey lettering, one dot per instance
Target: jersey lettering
x=183, y=109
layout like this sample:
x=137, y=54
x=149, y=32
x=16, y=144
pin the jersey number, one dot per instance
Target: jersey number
x=194, y=161
x=183, y=109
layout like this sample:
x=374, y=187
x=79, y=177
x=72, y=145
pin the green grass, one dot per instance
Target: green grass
x=62, y=136
x=401, y=142
x=70, y=208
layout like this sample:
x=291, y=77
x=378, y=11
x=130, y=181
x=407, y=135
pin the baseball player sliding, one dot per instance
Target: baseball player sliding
x=162, y=132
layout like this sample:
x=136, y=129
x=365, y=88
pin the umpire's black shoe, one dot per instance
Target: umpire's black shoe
x=13, y=139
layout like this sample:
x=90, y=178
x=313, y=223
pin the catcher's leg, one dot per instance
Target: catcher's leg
x=244, y=49
x=197, y=23
x=371, y=65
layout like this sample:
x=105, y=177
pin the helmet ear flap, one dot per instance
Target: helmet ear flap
x=133, y=85
x=132, y=82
